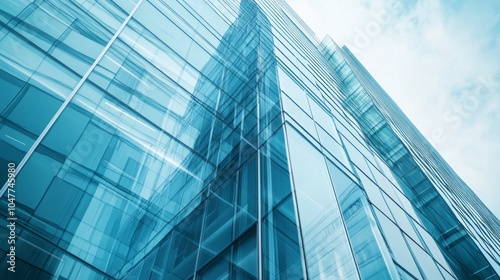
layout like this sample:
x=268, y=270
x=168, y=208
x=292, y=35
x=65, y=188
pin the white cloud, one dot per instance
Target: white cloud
x=427, y=56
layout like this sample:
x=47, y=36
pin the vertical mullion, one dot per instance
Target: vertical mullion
x=259, y=175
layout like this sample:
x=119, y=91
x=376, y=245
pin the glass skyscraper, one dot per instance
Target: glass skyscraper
x=215, y=139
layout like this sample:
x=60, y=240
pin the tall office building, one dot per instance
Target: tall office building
x=215, y=139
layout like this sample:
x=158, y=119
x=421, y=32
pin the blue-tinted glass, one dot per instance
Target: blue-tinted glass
x=216, y=140
x=369, y=249
x=281, y=247
x=327, y=250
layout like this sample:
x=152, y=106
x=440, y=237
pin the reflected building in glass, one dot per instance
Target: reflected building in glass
x=162, y=139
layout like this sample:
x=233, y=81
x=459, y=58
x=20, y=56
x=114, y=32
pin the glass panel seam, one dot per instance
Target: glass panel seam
x=294, y=197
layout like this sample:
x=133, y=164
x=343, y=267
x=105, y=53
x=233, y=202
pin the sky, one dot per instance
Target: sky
x=440, y=62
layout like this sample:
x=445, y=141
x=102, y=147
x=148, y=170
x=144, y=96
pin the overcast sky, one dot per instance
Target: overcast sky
x=440, y=62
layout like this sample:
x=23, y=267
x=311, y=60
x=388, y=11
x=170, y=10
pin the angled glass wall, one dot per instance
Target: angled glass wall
x=219, y=139
x=461, y=252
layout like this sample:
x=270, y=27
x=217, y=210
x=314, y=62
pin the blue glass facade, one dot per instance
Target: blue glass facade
x=162, y=139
